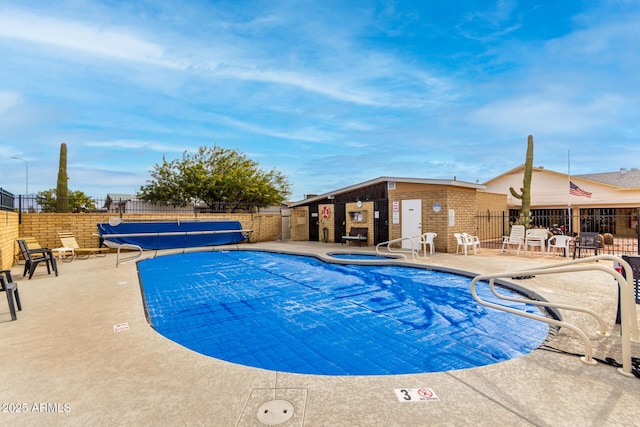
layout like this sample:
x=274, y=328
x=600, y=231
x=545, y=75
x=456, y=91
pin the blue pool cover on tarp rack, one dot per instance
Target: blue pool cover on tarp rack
x=173, y=234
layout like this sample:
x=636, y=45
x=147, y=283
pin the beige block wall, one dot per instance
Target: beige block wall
x=490, y=204
x=9, y=230
x=44, y=227
x=328, y=223
x=463, y=202
x=366, y=212
x=299, y=224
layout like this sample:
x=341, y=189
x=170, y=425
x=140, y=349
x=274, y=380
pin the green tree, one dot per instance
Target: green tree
x=76, y=201
x=62, y=190
x=215, y=176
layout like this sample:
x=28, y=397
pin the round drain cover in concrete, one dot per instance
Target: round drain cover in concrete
x=275, y=412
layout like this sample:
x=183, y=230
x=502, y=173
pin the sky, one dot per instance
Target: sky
x=330, y=93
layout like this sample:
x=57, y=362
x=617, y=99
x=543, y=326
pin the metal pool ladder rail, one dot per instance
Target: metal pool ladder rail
x=417, y=240
x=629, y=323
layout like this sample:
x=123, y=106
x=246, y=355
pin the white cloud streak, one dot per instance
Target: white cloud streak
x=114, y=43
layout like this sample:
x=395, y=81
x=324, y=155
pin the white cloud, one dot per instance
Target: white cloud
x=114, y=43
x=306, y=134
x=549, y=114
x=484, y=25
x=351, y=73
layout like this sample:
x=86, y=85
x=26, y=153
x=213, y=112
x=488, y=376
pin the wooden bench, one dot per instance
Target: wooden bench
x=356, y=234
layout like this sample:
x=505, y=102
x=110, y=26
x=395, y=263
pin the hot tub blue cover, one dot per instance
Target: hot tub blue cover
x=192, y=233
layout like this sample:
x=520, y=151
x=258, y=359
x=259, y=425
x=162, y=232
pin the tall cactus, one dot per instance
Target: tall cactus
x=525, y=191
x=62, y=190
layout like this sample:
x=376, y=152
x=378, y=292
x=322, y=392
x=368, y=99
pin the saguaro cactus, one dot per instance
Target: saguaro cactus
x=62, y=190
x=525, y=191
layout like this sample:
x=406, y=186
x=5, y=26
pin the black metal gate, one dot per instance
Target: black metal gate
x=340, y=221
x=314, y=223
x=381, y=221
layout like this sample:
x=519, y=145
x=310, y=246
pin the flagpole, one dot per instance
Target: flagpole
x=569, y=194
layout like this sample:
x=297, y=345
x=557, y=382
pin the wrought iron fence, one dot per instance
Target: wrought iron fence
x=120, y=206
x=618, y=227
x=6, y=200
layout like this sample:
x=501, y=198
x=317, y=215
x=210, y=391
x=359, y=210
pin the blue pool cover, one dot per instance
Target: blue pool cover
x=173, y=234
x=298, y=314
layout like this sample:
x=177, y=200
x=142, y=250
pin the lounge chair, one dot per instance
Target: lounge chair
x=559, y=242
x=515, y=238
x=69, y=241
x=34, y=254
x=11, y=288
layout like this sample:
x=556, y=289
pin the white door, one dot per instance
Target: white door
x=411, y=222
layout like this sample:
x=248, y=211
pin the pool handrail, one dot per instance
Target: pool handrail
x=628, y=285
x=601, y=323
x=401, y=250
x=126, y=246
x=629, y=324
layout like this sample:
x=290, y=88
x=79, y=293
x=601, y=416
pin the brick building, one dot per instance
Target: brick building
x=392, y=207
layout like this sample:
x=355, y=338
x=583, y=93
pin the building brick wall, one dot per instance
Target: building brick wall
x=361, y=217
x=493, y=206
x=462, y=201
x=491, y=202
x=299, y=224
x=328, y=223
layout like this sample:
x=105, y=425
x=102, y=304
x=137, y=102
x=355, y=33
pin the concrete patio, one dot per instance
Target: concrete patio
x=64, y=363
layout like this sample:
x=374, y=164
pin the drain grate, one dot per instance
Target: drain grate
x=275, y=412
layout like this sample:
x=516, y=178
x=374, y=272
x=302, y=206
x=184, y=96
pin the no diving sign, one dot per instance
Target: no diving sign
x=415, y=395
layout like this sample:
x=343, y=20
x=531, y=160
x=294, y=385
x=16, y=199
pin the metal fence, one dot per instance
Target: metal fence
x=618, y=227
x=6, y=200
x=121, y=206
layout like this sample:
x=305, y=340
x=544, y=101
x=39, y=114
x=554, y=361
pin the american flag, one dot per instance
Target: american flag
x=577, y=191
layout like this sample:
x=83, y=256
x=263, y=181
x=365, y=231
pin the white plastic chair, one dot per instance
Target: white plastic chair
x=559, y=242
x=467, y=241
x=515, y=238
x=472, y=241
x=427, y=239
x=536, y=238
x=461, y=242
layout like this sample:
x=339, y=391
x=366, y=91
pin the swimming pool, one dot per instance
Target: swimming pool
x=299, y=314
